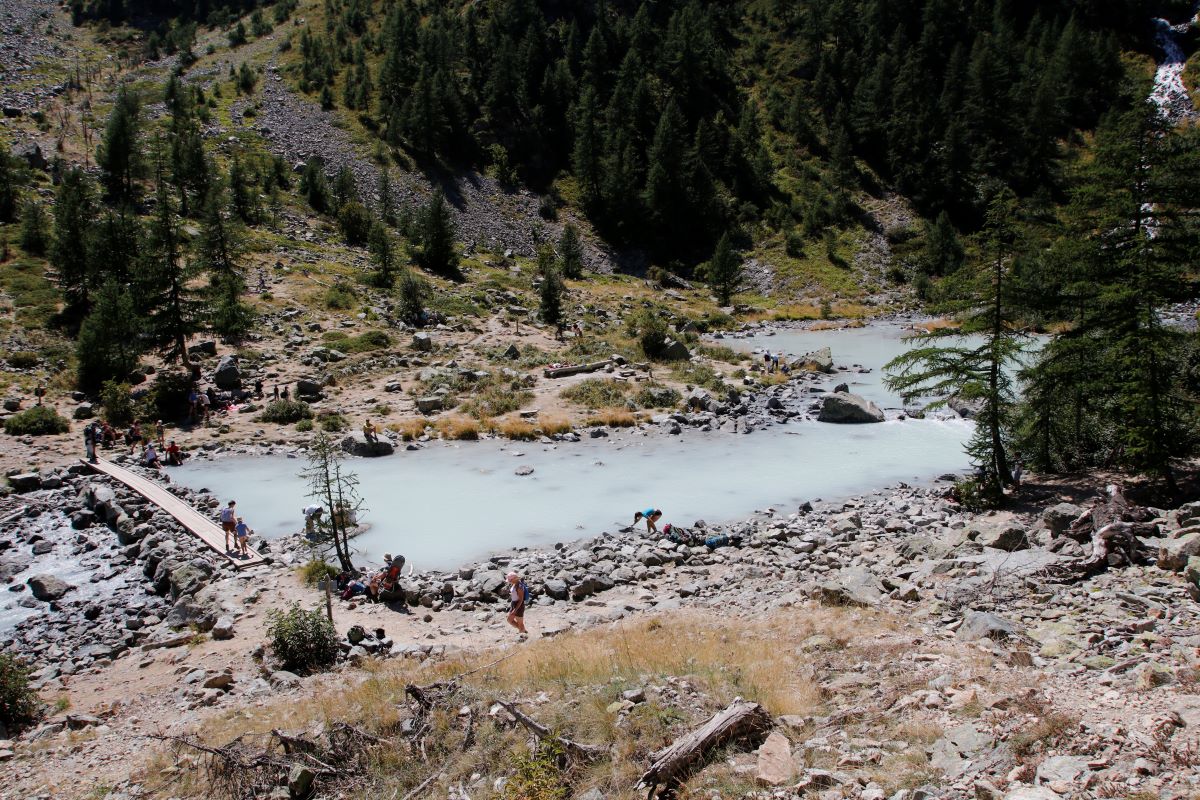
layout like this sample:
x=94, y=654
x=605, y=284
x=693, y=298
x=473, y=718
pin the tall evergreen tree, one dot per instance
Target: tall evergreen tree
x=570, y=252
x=982, y=296
x=435, y=238
x=943, y=252
x=74, y=212
x=114, y=241
x=174, y=308
x=383, y=253
x=219, y=248
x=724, y=270
x=550, y=293
x=109, y=342
x=11, y=181
x=34, y=238
x=119, y=156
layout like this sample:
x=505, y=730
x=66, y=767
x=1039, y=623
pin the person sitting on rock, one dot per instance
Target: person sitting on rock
x=652, y=516
x=174, y=455
x=150, y=457
x=370, y=432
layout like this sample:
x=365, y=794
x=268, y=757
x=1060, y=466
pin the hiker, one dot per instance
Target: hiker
x=89, y=443
x=652, y=516
x=258, y=390
x=150, y=457
x=370, y=432
x=1017, y=471
x=39, y=393
x=775, y=362
x=229, y=521
x=312, y=517
x=275, y=394
x=133, y=437
x=174, y=455
x=108, y=436
x=243, y=537
x=203, y=403
x=518, y=594
x=159, y=434
x=578, y=331
x=286, y=394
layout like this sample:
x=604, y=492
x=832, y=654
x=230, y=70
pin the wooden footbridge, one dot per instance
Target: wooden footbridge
x=192, y=520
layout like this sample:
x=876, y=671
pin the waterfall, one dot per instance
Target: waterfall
x=1169, y=93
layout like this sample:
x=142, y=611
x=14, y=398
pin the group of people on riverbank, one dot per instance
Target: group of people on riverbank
x=152, y=450
x=679, y=535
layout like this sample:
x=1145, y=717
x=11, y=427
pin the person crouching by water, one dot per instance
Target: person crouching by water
x=518, y=595
x=312, y=518
x=652, y=516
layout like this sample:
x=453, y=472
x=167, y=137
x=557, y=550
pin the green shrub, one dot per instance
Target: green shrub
x=19, y=704
x=596, y=393
x=371, y=340
x=36, y=421
x=285, y=411
x=304, y=425
x=334, y=423
x=650, y=330
x=317, y=570
x=536, y=774
x=339, y=297
x=167, y=398
x=657, y=397
x=23, y=359
x=117, y=404
x=302, y=641
x=355, y=222
x=496, y=400
x=975, y=496
x=699, y=375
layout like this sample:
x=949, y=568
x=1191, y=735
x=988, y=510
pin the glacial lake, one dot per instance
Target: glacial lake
x=454, y=503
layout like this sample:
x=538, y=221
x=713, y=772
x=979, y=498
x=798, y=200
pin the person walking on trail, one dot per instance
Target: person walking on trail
x=89, y=443
x=518, y=595
x=652, y=516
x=243, y=537
x=312, y=517
x=229, y=522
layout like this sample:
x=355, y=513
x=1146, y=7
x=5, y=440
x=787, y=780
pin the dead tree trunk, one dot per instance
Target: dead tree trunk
x=741, y=720
x=584, y=752
x=1116, y=544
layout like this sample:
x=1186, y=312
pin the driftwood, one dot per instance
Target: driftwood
x=578, y=369
x=742, y=720
x=584, y=752
x=1112, y=527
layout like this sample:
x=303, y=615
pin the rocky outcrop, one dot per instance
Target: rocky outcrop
x=357, y=444
x=48, y=587
x=228, y=375
x=844, y=408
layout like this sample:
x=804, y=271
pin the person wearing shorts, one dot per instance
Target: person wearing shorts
x=229, y=522
x=652, y=516
x=243, y=537
x=516, y=602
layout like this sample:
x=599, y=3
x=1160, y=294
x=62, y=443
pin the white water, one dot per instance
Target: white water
x=450, y=504
x=1169, y=93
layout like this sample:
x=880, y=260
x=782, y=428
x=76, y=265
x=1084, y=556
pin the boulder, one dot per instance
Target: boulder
x=1067, y=769
x=227, y=374
x=556, y=588
x=25, y=482
x=32, y=155
x=978, y=625
x=700, y=398
x=512, y=352
x=357, y=444
x=83, y=411
x=675, y=351
x=816, y=361
x=775, y=766
x=430, y=404
x=422, y=342
x=965, y=408
x=48, y=587
x=1057, y=518
x=207, y=348
x=1173, y=554
x=855, y=586
x=845, y=408
x=308, y=388
x=223, y=628
x=188, y=613
x=1009, y=538
x=188, y=577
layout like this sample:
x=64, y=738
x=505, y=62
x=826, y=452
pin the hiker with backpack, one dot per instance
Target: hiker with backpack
x=518, y=593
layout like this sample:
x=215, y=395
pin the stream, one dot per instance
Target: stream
x=455, y=502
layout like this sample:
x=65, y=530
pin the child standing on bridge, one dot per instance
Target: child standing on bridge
x=243, y=537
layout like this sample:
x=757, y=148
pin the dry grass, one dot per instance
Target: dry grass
x=457, y=428
x=612, y=418
x=409, y=429
x=941, y=324
x=517, y=429
x=553, y=425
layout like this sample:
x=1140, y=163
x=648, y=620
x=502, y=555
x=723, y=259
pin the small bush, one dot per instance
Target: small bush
x=117, y=404
x=303, y=641
x=613, y=418
x=651, y=332
x=596, y=393
x=355, y=222
x=658, y=397
x=699, y=375
x=167, y=397
x=975, y=496
x=19, y=704
x=553, y=425
x=304, y=425
x=794, y=245
x=36, y=421
x=339, y=297
x=409, y=429
x=536, y=775
x=334, y=423
x=496, y=400
x=371, y=340
x=23, y=359
x=516, y=429
x=286, y=412
x=317, y=570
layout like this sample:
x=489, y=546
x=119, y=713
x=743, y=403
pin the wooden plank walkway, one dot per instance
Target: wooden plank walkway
x=192, y=520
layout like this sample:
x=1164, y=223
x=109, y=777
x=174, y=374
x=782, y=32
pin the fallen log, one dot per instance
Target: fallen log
x=584, y=752
x=578, y=369
x=1116, y=544
x=742, y=720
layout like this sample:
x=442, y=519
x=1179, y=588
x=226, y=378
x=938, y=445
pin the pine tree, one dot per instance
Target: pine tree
x=982, y=295
x=724, y=271
x=34, y=239
x=219, y=247
x=665, y=195
x=943, y=253
x=585, y=159
x=384, y=255
x=387, y=203
x=550, y=293
x=173, y=308
x=435, y=238
x=11, y=181
x=412, y=294
x=315, y=187
x=119, y=156
x=109, y=338
x=74, y=212
x=114, y=241
x=244, y=198
x=570, y=252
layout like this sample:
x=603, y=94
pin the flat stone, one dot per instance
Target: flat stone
x=1067, y=769
x=978, y=625
x=775, y=765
